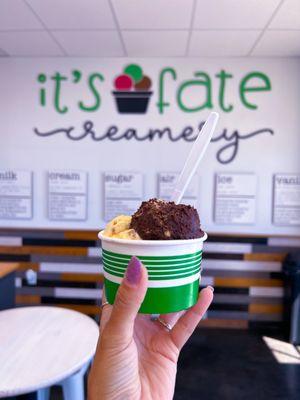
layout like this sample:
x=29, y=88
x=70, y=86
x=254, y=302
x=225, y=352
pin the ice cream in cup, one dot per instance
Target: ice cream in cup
x=165, y=236
x=168, y=240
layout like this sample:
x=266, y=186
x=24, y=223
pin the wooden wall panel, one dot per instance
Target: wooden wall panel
x=246, y=272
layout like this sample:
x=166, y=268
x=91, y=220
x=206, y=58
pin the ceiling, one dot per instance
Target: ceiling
x=149, y=28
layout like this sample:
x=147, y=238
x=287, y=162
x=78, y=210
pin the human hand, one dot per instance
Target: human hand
x=136, y=358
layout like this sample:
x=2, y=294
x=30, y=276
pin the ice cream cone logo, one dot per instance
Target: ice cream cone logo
x=132, y=90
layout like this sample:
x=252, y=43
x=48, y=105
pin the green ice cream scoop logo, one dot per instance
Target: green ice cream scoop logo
x=132, y=90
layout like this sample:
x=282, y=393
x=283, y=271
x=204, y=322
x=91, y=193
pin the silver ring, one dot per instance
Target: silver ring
x=104, y=304
x=164, y=324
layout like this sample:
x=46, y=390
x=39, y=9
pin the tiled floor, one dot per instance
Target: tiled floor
x=236, y=365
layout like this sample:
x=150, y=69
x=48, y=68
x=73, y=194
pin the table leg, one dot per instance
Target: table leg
x=43, y=394
x=73, y=387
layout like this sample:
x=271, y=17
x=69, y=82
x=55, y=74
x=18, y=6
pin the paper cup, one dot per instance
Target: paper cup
x=174, y=270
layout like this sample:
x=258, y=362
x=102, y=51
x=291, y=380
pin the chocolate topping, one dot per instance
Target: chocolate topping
x=162, y=220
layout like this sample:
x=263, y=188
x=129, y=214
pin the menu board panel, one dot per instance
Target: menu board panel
x=235, y=198
x=123, y=193
x=67, y=195
x=286, y=203
x=15, y=194
x=166, y=184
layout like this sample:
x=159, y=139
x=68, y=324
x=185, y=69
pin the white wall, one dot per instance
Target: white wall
x=263, y=155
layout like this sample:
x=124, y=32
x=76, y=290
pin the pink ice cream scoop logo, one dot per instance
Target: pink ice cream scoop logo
x=132, y=90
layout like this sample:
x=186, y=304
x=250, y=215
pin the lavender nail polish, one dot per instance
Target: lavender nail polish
x=134, y=271
x=211, y=288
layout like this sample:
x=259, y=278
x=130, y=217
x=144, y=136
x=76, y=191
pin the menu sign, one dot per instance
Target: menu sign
x=123, y=193
x=67, y=195
x=15, y=194
x=235, y=198
x=286, y=203
x=166, y=184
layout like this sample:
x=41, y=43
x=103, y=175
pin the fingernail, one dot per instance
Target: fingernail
x=211, y=288
x=134, y=271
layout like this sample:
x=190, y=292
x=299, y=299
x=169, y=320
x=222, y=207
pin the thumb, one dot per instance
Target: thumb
x=128, y=300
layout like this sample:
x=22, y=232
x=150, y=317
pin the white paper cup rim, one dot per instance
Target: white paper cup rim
x=152, y=242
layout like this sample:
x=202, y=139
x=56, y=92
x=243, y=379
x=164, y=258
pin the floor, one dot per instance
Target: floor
x=236, y=365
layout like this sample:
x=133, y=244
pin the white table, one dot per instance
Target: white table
x=41, y=346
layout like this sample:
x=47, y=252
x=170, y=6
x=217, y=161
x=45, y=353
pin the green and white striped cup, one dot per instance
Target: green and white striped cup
x=174, y=270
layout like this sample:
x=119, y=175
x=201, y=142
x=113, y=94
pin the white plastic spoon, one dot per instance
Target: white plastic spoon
x=195, y=156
